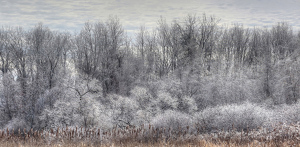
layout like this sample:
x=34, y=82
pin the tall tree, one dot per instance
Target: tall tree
x=98, y=52
x=5, y=52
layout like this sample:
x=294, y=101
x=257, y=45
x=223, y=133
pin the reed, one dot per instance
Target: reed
x=187, y=136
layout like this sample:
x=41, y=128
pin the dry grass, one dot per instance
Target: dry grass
x=281, y=135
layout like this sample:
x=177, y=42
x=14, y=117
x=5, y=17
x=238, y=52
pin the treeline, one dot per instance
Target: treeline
x=102, y=77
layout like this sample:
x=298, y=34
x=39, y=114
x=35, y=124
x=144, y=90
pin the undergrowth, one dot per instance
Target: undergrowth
x=148, y=135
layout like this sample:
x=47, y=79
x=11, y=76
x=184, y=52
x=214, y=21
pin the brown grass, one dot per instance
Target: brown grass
x=281, y=135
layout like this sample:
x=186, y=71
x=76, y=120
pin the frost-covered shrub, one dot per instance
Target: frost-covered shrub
x=172, y=119
x=187, y=105
x=234, y=115
x=142, y=96
x=48, y=98
x=165, y=101
x=173, y=86
x=87, y=113
x=219, y=90
x=284, y=81
x=78, y=105
x=16, y=124
x=287, y=113
x=146, y=104
x=93, y=114
x=206, y=118
x=64, y=112
x=123, y=110
x=143, y=116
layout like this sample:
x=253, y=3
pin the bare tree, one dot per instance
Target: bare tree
x=282, y=35
x=53, y=56
x=98, y=52
x=189, y=40
x=5, y=52
x=20, y=48
x=240, y=39
x=206, y=37
x=267, y=62
x=141, y=43
x=163, y=60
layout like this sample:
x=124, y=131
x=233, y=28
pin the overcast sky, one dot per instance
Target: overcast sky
x=70, y=15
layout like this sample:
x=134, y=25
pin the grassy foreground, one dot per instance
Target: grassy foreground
x=280, y=135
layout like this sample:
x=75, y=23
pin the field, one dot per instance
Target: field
x=279, y=135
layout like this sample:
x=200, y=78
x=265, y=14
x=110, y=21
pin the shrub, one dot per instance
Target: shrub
x=142, y=96
x=243, y=116
x=123, y=110
x=172, y=119
x=88, y=113
x=187, y=105
x=16, y=124
x=287, y=113
x=165, y=101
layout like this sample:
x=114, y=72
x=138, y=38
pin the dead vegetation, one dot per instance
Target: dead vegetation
x=188, y=136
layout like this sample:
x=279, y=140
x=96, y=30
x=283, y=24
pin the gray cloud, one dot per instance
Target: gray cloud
x=71, y=15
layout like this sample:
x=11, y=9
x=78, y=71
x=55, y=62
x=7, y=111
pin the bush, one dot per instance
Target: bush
x=165, y=101
x=142, y=96
x=187, y=105
x=16, y=124
x=123, y=110
x=243, y=116
x=88, y=113
x=220, y=90
x=172, y=119
x=287, y=113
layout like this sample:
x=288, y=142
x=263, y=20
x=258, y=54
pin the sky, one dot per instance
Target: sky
x=70, y=15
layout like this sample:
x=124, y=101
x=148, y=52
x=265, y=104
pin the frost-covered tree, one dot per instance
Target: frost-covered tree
x=10, y=98
x=97, y=53
x=101, y=77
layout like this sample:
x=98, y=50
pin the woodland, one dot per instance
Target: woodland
x=195, y=70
